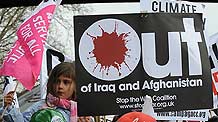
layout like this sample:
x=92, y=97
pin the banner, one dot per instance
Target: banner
x=170, y=6
x=174, y=6
x=24, y=59
x=122, y=58
x=51, y=57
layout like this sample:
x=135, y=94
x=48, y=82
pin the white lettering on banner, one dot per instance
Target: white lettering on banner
x=33, y=47
x=134, y=99
x=129, y=86
x=17, y=54
x=172, y=7
x=86, y=88
x=164, y=97
x=40, y=26
x=180, y=83
x=149, y=56
x=39, y=23
x=135, y=86
x=49, y=16
x=26, y=32
x=175, y=59
x=163, y=104
x=192, y=38
x=122, y=100
x=104, y=88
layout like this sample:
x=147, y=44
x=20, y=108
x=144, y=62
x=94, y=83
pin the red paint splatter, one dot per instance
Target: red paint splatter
x=110, y=50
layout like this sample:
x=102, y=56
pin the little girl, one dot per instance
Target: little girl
x=59, y=104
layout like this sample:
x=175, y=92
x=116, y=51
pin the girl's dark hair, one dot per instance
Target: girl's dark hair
x=66, y=69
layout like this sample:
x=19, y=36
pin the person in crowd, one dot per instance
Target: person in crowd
x=59, y=104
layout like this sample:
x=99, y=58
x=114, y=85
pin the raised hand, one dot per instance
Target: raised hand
x=8, y=99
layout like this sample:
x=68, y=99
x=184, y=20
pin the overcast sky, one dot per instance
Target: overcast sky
x=212, y=15
x=117, y=8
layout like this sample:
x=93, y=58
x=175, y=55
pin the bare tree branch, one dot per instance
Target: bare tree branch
x=11, y=18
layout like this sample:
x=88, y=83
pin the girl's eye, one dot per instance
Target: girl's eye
x=67, y=81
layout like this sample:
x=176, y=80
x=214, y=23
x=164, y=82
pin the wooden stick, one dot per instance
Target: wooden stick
x=8, y=105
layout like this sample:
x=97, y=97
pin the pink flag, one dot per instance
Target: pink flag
x=24, y=59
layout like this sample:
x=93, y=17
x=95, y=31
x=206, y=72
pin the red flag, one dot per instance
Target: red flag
x=24, y=59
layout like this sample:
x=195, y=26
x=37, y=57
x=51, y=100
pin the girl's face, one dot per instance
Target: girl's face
x=64, y=87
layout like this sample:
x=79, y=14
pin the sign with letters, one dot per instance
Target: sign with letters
x=170, y=6
x=174, y=6
x=122, y=58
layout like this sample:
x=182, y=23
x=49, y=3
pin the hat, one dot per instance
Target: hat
x=47, y=115
x=136, y=117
